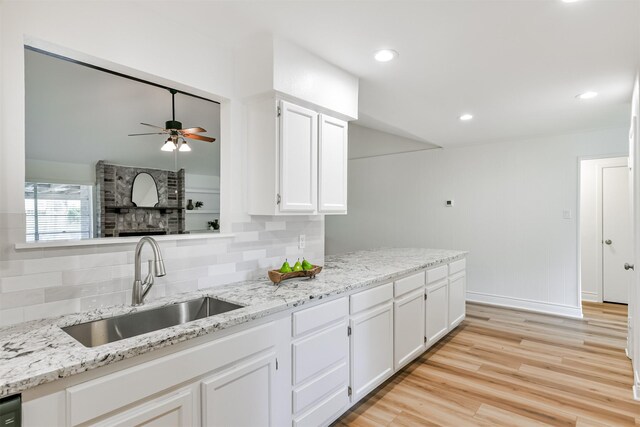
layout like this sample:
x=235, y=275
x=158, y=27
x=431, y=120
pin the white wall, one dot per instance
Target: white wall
x=129, y=38
x=591, y=225
x=366, y=142
x=509, y=202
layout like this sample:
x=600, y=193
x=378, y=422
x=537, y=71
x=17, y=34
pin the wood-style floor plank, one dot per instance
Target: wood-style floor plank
x=504, y=367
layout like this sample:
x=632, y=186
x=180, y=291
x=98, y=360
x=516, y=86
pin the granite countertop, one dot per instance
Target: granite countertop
x=39, y=352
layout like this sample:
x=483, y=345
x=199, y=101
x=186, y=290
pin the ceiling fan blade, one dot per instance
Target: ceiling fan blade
x=198, y=137
x=140, y=134
x=194, y=130
x=153, y=126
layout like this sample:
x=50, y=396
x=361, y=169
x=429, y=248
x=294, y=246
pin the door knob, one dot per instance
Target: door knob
x=608, y=241
x=628, y=266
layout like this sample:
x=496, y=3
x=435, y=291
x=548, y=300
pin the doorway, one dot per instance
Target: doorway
x=605, y=229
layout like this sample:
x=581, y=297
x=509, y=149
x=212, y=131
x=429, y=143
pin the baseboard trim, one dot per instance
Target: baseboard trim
x=525, y=304
x=590, y=296
x=636, y=392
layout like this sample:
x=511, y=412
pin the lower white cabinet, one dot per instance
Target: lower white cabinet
x=236, y=380
x=457, y=299
x=437, y=311
x=172, y=410
x=320, y=363
x=240, y=396
x=371, y=347
x=408, y=326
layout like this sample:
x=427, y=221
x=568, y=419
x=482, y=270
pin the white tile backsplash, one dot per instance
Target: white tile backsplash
x=40, y=282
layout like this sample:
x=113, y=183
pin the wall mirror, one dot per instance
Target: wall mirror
x=144, y=193
x=87, y=178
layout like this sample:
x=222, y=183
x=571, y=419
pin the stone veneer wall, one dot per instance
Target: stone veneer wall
x=37, y=283
x=118, y=217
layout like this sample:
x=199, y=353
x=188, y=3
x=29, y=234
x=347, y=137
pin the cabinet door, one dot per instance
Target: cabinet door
x=174, y=409
x=298, y=158
x=371, y=349
x=436, y=316
x=457, y=298
x=332, y=187
x=241, y=396
x=408, y=325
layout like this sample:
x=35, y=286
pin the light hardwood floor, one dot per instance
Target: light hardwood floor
x=508, y=367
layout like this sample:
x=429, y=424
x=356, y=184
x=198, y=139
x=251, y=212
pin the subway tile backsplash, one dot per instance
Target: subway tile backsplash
x=36, y=283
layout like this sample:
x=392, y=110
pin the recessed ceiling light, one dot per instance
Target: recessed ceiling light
x=385, y=55
x=466, y=117
x=587, y=95
x=570, y=1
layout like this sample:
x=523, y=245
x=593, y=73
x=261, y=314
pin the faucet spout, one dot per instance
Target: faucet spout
x=140, y=288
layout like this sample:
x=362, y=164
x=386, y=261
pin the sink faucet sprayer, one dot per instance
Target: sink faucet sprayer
x=140, y=288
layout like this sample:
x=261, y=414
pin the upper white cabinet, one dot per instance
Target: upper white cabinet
x=297, y=160
x=298, y=165
x=332, y=179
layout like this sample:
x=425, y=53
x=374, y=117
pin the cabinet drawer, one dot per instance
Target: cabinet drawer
x=367, y=299
x=312, y=392
x=408, y=284
x=325, y=412
x=436, y=274
x=324, y=314
x=320, y=351
x=457, y=266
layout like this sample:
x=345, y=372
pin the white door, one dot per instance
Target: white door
x=408, y=313
x=457, y=299
x=436, y=316
x=241, y=396
x=371, y=349
x=298, y=158
x=616, y=234
x=332, y=189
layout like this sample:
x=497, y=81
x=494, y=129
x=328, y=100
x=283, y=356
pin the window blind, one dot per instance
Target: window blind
x=58, y=211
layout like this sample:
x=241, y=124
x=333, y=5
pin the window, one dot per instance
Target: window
x=58, y=211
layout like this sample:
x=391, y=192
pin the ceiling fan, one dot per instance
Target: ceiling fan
x=177, y=134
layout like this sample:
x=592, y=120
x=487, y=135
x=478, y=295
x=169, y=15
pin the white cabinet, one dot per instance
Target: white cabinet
x=298, y=165
x=332, y=170
x=172, y=410
x=320, y=362
x=437, y=318
x=409, y=327
x=371, y=339
x=457, y=298
x=408, y=311
x=208, y=384
x=242, y=395
x=295, y=165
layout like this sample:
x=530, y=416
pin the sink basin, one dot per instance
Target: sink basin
x=99, y=332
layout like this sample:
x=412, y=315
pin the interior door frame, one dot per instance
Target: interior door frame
x=608, y=160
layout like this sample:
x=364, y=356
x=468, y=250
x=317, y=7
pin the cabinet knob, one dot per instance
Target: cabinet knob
x=608, y=242
x=628, y=266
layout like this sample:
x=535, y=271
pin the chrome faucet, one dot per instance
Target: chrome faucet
x=140, y=288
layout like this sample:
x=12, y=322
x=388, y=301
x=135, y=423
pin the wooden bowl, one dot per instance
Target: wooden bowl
x=276, y=277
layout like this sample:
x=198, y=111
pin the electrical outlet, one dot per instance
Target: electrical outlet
x=566, y=214
x=302, y=241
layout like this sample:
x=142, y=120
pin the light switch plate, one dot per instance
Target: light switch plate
x=566, y=214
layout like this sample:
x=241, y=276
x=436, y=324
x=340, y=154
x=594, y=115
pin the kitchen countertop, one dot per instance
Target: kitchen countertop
x=39, y=352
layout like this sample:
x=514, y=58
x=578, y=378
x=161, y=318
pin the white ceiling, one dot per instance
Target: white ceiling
x=516, y=65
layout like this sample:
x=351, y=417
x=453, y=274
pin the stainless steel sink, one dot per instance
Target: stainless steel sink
x=99, y=332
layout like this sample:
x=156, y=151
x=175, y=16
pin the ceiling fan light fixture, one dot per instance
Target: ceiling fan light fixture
x=184, y=146
x=169, y=145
